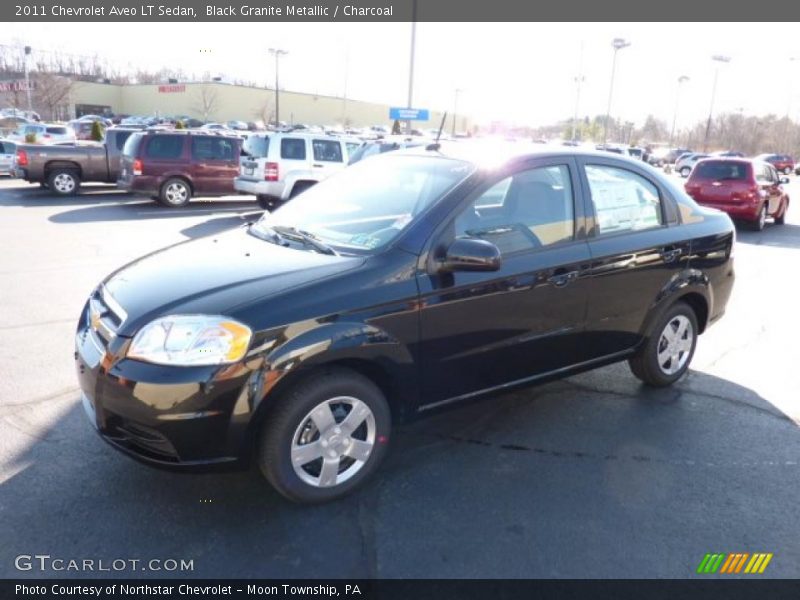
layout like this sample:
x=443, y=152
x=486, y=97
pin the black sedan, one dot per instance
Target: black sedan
x=416, y=280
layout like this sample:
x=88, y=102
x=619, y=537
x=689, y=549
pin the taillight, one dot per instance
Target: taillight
x=271, y=171
x=22, y=158
x=137, y=167
x=752, y=193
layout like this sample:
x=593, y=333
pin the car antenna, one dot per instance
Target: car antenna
x=436, y=145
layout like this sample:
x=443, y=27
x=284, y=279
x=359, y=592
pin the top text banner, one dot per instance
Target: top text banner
x=395, y=10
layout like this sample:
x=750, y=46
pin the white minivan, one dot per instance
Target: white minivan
x=278, y=166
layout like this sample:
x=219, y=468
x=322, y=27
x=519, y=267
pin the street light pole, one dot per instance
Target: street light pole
x=27, y=78
x=277, y=53
x=718, y=59
x=455, y=110
x=579, y=79
x=409, y=104
x=618, y=44
x=681, y=80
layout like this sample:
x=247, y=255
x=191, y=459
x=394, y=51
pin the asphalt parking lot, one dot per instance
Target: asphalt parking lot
x=593, y=476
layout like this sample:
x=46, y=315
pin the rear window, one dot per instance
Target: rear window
x=719, y=171
x=164, y=146
x=293, y=148
x=131, y=147
x=57, y=130
x=256, y=146
x=122, y=137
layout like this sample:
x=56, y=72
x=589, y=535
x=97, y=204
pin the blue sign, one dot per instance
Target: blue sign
x=409, y=114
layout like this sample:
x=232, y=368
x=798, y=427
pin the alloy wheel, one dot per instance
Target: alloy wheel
x=333, y=441
x=675, y=344
x=64, y=183
x=176, y=193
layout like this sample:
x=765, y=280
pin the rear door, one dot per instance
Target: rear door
x=328, y=157
x=636, y=248
x=773, y=190
x=483, y=330
x=215, y=163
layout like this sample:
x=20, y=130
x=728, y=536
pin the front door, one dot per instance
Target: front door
x=215, y=163
x=483, y=330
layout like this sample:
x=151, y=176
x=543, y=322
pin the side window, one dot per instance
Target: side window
x=165, y=146
x=352, y=147
x=773, y=174
x=208, y=148
x=623, y=200
x=293, y=148
x=327, y=151
x=528, y=210
x=762, y=174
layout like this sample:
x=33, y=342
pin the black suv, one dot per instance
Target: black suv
x=407, y=282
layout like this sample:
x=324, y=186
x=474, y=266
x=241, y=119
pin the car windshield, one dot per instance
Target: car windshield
x=366, y=206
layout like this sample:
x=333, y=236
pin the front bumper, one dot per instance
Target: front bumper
x=175, y=417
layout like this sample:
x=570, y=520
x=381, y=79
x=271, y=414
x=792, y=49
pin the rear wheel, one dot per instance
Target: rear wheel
x=325, y=436
x=64, y=182
x=787, y=170
x=761, y=221
x=300, y=187
x=685, y=171
x=666, y=354
x=175, y=192
x=268, y=202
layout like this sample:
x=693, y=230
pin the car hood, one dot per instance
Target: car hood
x=213, y=275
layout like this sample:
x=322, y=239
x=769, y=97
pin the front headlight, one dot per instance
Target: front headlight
x=191, y=340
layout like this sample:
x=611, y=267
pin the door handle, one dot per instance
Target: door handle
x=669, y=255
x=561, y=277
x=316, y=165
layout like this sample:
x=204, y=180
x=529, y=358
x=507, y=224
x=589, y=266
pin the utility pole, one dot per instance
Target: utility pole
x=681, y=80
x=719, y=59
x=455, y=110
x=579, y=79
x=277, y=53
x=27, y=78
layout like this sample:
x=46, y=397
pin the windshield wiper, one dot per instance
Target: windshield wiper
x=309, y=239
x=265, y=233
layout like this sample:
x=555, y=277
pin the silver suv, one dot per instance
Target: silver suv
x=278, y=166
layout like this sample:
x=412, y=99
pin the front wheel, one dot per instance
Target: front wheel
x=787, y=171
x=325, y=436
x=781, y=219
x=666, y=354
x=685, y=172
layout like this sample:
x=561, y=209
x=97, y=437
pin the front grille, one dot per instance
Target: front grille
x=104, y=317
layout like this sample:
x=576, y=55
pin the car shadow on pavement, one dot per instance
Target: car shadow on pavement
x=780, y=236
x=144, y=210
x=35, y=197
x=212, y=226
x=593, y=476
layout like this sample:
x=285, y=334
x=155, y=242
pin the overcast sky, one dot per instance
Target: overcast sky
x=520, y=72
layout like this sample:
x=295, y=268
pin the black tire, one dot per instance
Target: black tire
x=64, y=182
x=300, y=187
x=175, y=192
x=645, y=364
x=43, y=185
x=758, y=224
x=685, y=171
x=284, y=422
x=781, y=219
x=267, y=202
x=787, y=171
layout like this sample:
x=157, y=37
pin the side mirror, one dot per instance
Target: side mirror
x=472, y=255
x=784, y=180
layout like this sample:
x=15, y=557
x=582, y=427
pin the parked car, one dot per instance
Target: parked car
x=172, y=166
x=748, y=190
x=783, y=163
x=105, y=121
x=64, y=168
x=44, y=133
x=662, y=156
x=377, y=147
x=83, y=129
x=279, y=166
x=405, y=283
x=8, y=155
x=687, y=161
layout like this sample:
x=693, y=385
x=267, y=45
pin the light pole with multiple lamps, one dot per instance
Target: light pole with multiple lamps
x=681, y=80
x=618, y=44
x=277, y=53
x=719, y=59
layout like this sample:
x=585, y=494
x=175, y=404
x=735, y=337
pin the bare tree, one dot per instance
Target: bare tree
x=207, y=101
x=51, y=93
x=265, y=113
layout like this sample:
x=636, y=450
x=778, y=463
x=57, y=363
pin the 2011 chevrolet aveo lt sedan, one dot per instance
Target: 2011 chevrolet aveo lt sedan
x=407, y=282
